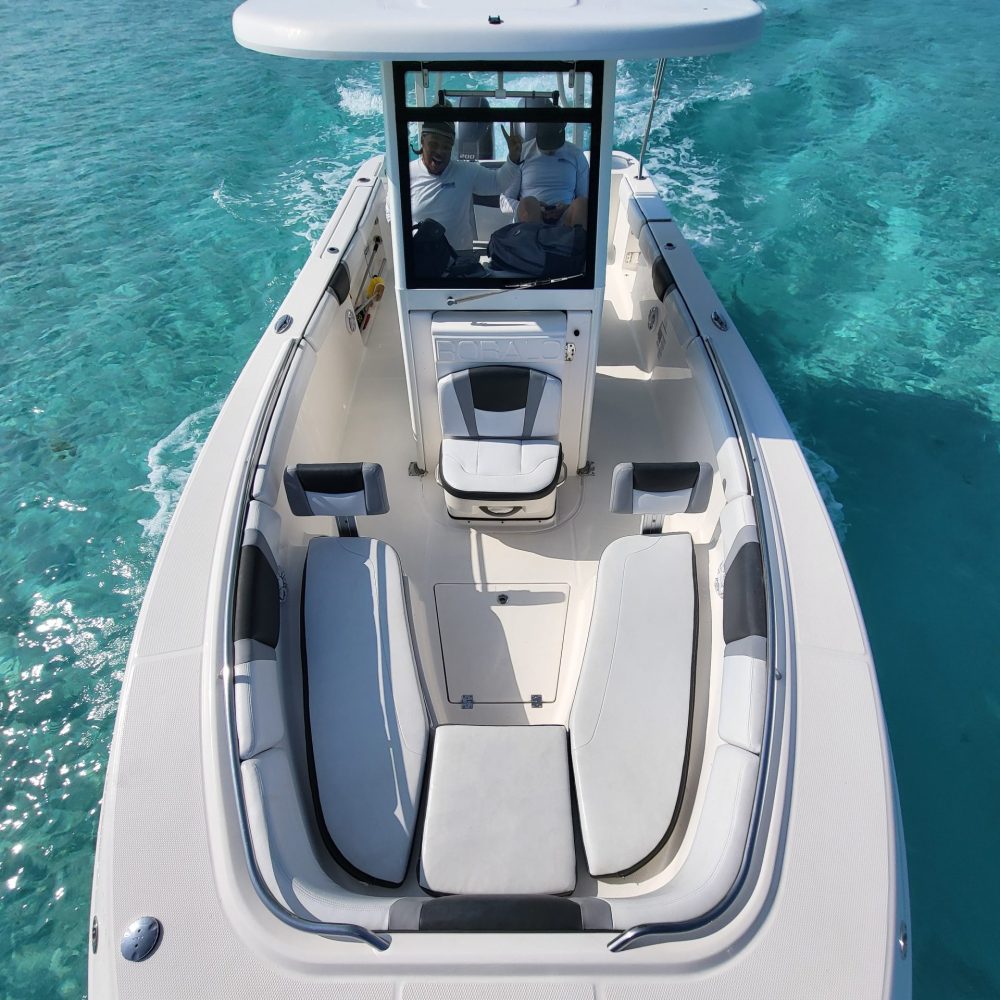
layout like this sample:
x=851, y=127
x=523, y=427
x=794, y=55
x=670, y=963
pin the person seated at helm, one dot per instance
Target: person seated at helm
x=554, y=181
x=442, y=188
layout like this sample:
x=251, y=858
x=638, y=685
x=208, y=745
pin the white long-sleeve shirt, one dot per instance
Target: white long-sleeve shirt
x=447, y=197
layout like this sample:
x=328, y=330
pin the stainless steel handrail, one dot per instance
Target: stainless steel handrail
x=642, y=933
x=338, y=931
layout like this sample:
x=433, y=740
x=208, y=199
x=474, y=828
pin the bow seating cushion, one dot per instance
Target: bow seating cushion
x=499, y=817
x=631, y=715
x=367, y=724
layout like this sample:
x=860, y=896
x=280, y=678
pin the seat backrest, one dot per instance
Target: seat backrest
x=346, y=489
x=500, y=401
x=744, y=603
x=527, y=130
x=660, y=487
x=473, y=140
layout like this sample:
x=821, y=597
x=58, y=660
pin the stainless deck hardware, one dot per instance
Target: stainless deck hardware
x=141, y=939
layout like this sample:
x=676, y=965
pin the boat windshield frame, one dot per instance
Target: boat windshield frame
x=408, y=114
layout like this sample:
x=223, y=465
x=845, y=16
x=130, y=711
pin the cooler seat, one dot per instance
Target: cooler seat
x=500, y=452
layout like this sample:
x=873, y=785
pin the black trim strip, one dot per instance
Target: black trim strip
x=501, y=914
x=251, y=461
x=434, y=113
x=488, y=65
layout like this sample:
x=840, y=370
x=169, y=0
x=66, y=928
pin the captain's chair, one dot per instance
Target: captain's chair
x=500, y=452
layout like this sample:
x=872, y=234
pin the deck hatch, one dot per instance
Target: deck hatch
x=502, y=642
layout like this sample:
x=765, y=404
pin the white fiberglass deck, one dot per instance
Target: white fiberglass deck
x=437, y=550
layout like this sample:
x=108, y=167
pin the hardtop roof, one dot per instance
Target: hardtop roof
x=387, y=30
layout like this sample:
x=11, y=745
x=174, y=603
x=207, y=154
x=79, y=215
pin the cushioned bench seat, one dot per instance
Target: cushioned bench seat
x=498, y=817
x=367, y=725
x=631, y=715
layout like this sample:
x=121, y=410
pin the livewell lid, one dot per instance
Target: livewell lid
x=387, y=30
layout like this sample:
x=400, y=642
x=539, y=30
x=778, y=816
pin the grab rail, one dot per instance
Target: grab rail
x=643, y=933
x=657, y=82
x=342, y=932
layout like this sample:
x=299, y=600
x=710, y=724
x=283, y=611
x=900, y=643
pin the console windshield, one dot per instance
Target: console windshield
x=498, y=168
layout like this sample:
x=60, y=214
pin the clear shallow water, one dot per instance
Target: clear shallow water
x=160, y=188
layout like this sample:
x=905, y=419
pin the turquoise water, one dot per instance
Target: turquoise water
x=160, y=188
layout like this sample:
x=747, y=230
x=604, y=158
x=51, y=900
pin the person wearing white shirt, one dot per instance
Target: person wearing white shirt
x=442, y=188
x=554, y=181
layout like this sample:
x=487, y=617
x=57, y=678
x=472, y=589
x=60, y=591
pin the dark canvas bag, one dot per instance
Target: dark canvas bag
x=432, y=253
x=537, y=250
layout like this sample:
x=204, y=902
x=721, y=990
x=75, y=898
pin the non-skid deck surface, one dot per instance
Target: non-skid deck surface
x=627, y=426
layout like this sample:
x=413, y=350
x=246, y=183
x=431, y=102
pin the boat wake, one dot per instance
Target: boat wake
x=687, y=181
x=170, y=462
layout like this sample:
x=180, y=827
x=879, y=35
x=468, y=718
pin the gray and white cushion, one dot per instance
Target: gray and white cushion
x=744, y=606
x=499, y=817
x=500, y=427
x=630, y=719
x=499, y=401
x=257, y=618
x=660, y=487
x=744, y=693
x=366, y=713
x=260, y=723
x=513, y=468
x=350, y=489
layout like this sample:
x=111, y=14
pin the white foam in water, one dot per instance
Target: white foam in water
x=230, y=202
x=309, y=194
x=687, y=182
x=361, y=101
x=170, y=462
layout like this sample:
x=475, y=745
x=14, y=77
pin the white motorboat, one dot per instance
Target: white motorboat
x=500, y=643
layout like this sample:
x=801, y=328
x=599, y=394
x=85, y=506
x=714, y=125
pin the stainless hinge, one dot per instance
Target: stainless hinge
x=570, y=352
x=536, y=701
x=467, y=701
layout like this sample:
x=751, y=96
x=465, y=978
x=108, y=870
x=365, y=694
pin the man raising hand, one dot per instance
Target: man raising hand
x=442, y=188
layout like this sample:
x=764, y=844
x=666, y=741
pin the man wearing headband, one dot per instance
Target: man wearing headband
x=442, y=188
x=554, y=181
